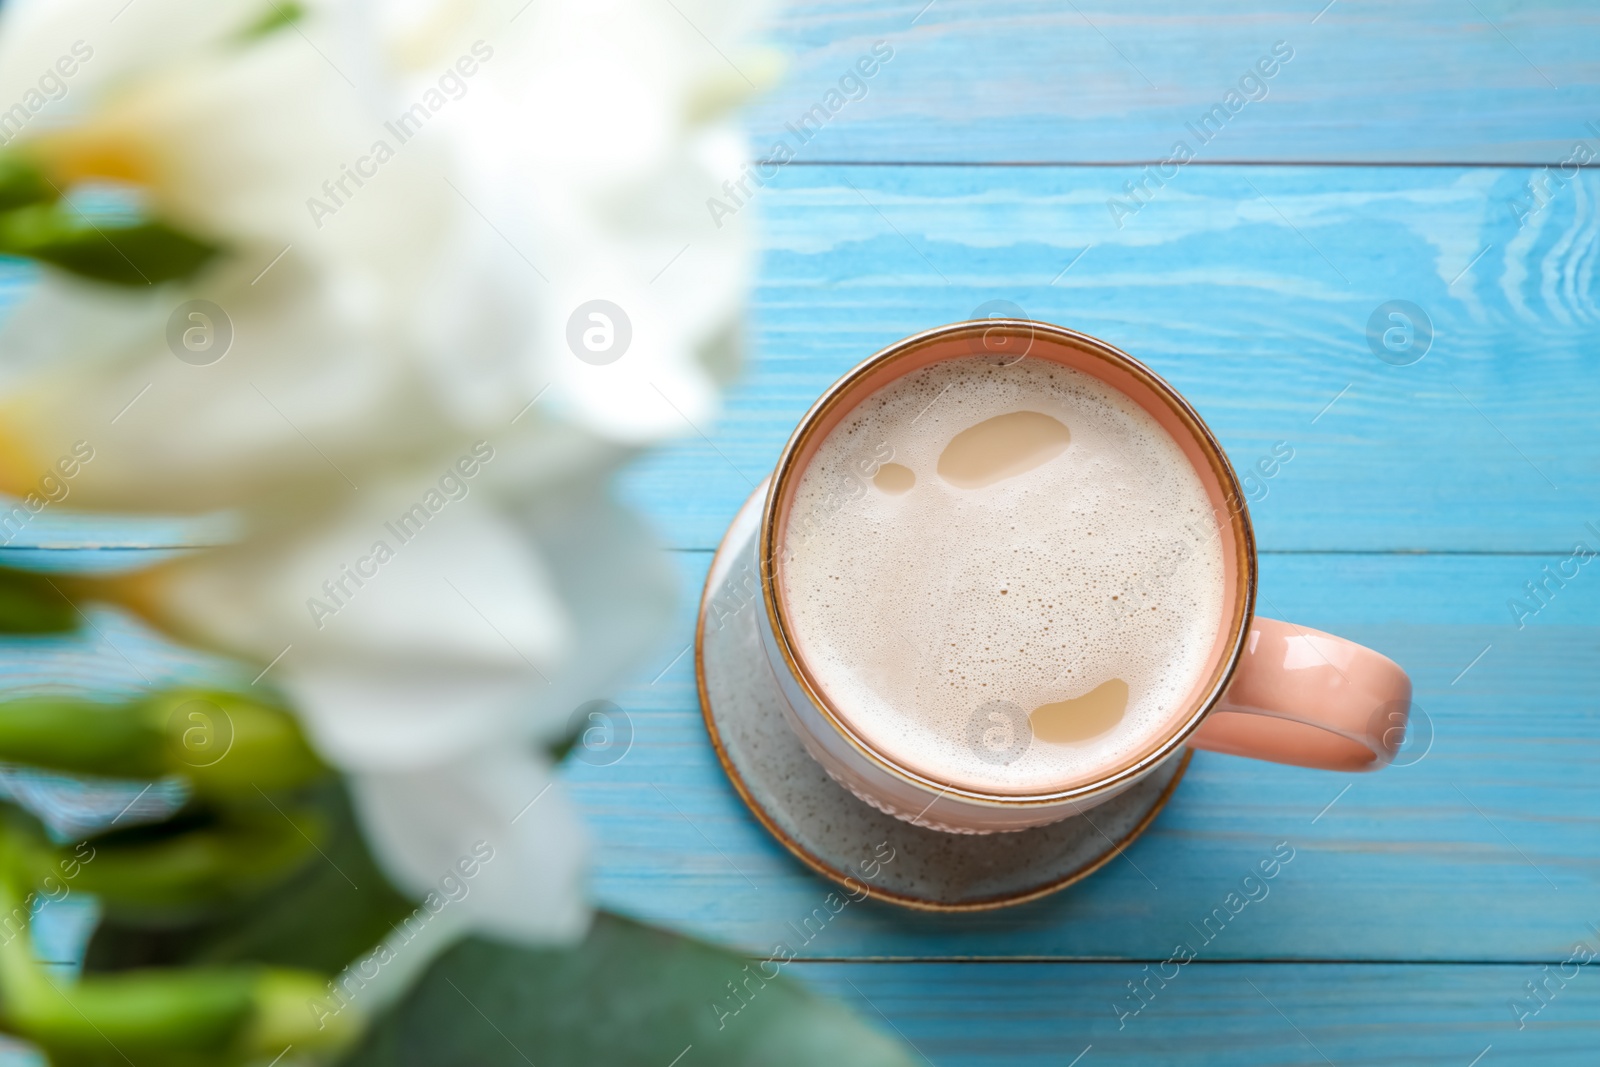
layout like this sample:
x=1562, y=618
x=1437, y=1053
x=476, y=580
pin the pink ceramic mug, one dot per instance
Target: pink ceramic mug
x=1271, y=690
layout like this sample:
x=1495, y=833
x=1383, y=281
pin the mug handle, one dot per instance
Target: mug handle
x=1309, y=698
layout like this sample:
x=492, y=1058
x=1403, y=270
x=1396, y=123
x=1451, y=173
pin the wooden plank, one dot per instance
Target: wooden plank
x=1029, y=80
x=1000, y=1015
x=111, y=654
x=1251, y=289
x=1483, y=850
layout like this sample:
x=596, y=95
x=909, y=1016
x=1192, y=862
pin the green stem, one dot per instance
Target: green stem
x=182, y=1018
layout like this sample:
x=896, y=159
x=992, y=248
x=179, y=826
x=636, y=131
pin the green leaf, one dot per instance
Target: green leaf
x=629, y=994
x=29, y=604
x=140, y=253
x=277, y=16
x=21, y=183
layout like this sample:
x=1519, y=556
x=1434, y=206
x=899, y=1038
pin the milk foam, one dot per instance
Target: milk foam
x=925, y=613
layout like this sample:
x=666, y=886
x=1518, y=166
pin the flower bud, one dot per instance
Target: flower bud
x=227, y=745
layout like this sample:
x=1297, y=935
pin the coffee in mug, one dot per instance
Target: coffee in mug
x=1006, y=571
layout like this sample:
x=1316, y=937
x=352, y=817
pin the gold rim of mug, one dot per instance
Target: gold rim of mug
x=1228, y=480
x=851, y=882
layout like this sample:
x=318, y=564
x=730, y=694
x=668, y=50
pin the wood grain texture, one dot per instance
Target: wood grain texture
x=1251, y=289
x=1034, y=80
x=1209, y=1016
x=1420, y=500
x=1481, y=850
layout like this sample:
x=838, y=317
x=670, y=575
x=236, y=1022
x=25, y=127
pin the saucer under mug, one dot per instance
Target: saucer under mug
x=826, y=826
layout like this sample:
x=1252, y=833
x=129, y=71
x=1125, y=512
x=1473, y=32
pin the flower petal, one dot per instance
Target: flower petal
x=429, y=828
x=406, y=635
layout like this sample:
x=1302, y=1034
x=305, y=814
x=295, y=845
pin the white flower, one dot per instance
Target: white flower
x=395, y=314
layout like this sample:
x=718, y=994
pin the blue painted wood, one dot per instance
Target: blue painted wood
x=1034, y=80
x=1481, y=850
x=1000, y=1015
x=1251, y=289
x=1523, y=738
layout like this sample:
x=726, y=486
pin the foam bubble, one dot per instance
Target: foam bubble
x=918, y=609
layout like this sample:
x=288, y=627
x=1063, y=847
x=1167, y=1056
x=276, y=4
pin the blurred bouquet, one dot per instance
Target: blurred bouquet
x=384, y=292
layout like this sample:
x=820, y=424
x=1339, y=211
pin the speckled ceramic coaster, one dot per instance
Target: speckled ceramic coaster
x=837, y=835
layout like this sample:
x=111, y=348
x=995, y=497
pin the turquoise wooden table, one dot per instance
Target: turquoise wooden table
x=1401, y=152
x=1440, y=912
